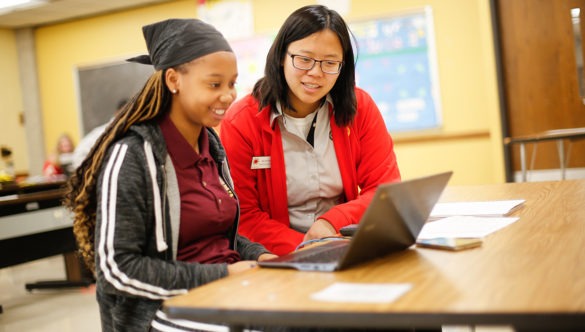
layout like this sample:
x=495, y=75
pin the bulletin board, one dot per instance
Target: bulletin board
x=397, y=66
x=102, y=86
x=251, y=56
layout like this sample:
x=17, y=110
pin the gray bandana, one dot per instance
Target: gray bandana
x=176, y=41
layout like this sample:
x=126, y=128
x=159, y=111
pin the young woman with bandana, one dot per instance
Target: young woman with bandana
x=307, y=147
x=154, y=207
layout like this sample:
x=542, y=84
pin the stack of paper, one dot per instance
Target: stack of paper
x=485, y=209
x=469, y=219
x=464, y=227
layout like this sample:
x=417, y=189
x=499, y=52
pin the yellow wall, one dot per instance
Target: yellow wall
x=12, y=133
x=468, y=92
x=465, y=60
x=62, y=48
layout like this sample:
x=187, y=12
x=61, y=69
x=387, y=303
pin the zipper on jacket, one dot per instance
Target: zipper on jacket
x=231, y=187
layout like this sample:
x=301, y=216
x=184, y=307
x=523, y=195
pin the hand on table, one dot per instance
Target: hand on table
x=266, y=256
x=320, y=229
x=241, y=266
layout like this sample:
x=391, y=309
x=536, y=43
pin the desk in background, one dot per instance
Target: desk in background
x=37, y=185
x=34, y=225
x=558, y=135
x=530, y=274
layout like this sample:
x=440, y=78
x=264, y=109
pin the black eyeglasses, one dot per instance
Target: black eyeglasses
x=307, y=63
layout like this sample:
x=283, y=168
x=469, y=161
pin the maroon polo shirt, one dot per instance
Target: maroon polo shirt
x=208, y=209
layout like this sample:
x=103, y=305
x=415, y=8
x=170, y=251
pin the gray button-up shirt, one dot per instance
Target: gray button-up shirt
x=312, y=173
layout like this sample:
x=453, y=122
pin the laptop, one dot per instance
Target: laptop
x=391, y=223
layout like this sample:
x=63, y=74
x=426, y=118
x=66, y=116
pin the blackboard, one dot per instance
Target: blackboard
x=101, y=87
x=397, y=66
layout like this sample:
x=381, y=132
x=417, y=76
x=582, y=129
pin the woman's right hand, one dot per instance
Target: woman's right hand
x=241, y=266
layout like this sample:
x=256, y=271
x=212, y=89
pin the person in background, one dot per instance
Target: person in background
x=84, y=146
x=307, y=147
x=155, y=212
x=7, y=167
x=60, y=162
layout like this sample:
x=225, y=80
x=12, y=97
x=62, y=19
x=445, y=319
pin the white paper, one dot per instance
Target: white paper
x=361, y=293
x=464, y=227
x=234, y=19
x=8, y=197
x=487, y=208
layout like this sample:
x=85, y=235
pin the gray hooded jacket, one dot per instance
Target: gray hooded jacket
x=136, y=235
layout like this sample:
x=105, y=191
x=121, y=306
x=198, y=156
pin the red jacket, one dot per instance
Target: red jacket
x=365, y=153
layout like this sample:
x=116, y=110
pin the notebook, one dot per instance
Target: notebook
x=391, y=223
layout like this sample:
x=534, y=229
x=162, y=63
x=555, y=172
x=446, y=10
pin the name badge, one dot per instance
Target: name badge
x=260, y=162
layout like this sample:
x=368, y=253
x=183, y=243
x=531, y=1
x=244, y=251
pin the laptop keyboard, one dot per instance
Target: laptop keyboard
x=329, y=252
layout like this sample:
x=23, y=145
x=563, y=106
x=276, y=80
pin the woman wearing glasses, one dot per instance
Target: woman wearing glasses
x=307, y=148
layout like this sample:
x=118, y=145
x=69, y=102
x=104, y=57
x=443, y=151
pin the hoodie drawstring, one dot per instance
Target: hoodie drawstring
x=161, y=244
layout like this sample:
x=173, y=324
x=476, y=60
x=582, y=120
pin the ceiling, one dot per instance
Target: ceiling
x=63, y=10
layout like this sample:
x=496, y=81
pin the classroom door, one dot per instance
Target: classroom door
x=540, y=75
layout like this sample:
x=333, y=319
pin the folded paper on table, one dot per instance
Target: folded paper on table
x=362, y=293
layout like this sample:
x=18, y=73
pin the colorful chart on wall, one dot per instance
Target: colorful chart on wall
x=397, y=67
x=251, y=54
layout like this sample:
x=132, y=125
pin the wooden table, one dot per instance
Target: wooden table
x=558, y=135
x=530, y=274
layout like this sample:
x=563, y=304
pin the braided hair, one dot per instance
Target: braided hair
x=81, y=198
